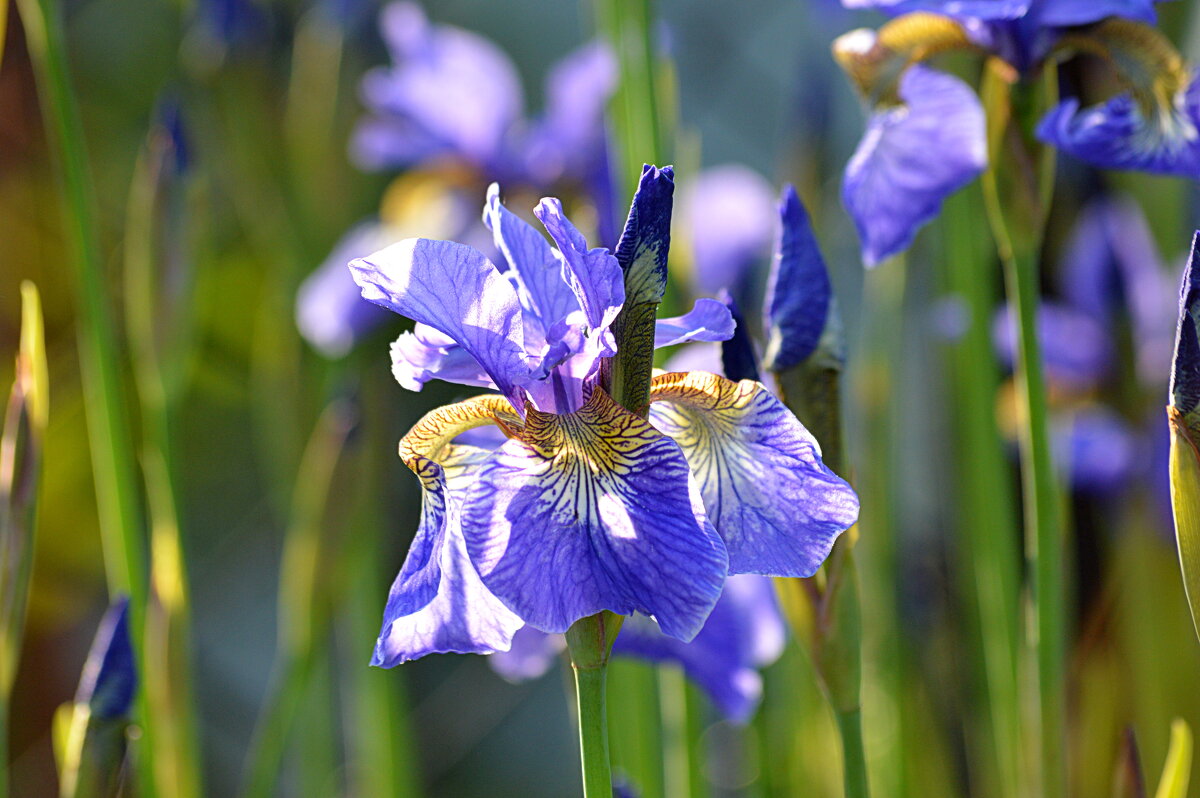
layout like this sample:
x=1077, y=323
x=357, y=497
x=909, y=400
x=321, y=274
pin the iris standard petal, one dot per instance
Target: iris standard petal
x=452, y=91
x=727, y=213
x=1184, y=391
x=708, y=320
x=457, y=291
x=437, y=603
x=911, y=158
x=1119, y=134
x=545, y=296
x=745, y=631
x=798, y=291
x=592, y=274
x=589, y=511
x=776, y=505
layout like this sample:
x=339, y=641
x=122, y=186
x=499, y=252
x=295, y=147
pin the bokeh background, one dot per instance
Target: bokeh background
x=266, y=94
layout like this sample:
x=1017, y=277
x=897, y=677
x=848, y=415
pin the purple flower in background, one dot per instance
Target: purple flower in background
x=1076, y=348
x=586, y=506
x=911, y=158
x=727, y=212
x=744, y=632
x=452, y=96
x=450, y=93
x=109, y=681
x=926, y=135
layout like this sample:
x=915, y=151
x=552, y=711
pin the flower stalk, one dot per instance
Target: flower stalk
x=590, y=642
x=1017, y=189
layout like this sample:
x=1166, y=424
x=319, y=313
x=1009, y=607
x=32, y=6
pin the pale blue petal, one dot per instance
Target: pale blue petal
x=457, y=291
x=728, y=213
x=426, y=354
x=532, y=654
x=592, y=274
x=594, y=511
x=775, y=504
x=911, y=158
x=973, y=9
x=708, y=320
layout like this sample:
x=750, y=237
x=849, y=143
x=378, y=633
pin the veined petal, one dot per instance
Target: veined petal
x=911, y=158
x=457, y=291
x=776, y=505
x=1119, y=135
x=426, y=354
x=544, y=293
x=745, y=631
x=590, y=511
x=708, y=320
x=592, y=274
x=437, y=604
x=798, y=292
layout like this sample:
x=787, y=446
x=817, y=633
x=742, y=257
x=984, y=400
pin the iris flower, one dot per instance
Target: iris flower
x=450, y=109
x=926, y=135
x=585, y=506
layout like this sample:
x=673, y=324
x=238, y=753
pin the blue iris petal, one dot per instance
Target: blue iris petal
x=110, y=679
x=911, y=158
x=798, y=291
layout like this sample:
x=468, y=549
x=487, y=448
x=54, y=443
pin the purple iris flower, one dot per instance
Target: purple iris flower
x=1076, y=348
x=727, y=213
x=452, y=95
x=926, y=136
x=586, y=506
x=744, y=632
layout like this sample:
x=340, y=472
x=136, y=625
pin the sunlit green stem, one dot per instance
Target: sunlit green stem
x=634, y=109
x=590, y=642
x=1018, y=187
x=100, y=367
x=855, y=775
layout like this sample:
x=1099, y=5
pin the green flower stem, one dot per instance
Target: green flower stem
x=101, y=371
x=590, y=642
x=988, y=543
x=1018, y=188
x=853, y=755
x=634, y=108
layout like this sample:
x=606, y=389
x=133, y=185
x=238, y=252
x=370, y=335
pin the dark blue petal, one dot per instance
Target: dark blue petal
x=1075, y=347
x=727, y=213
x=798, y=292
x=110, y=678
x=646, y=239
x=1067, y=13
x=738, y=358
x=776, y=505
x=708, y=320
x=1185, y=370
x=592, y=511
x=458, y=292
x=744, y=632
x=1119, y=135
x=911, y=158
